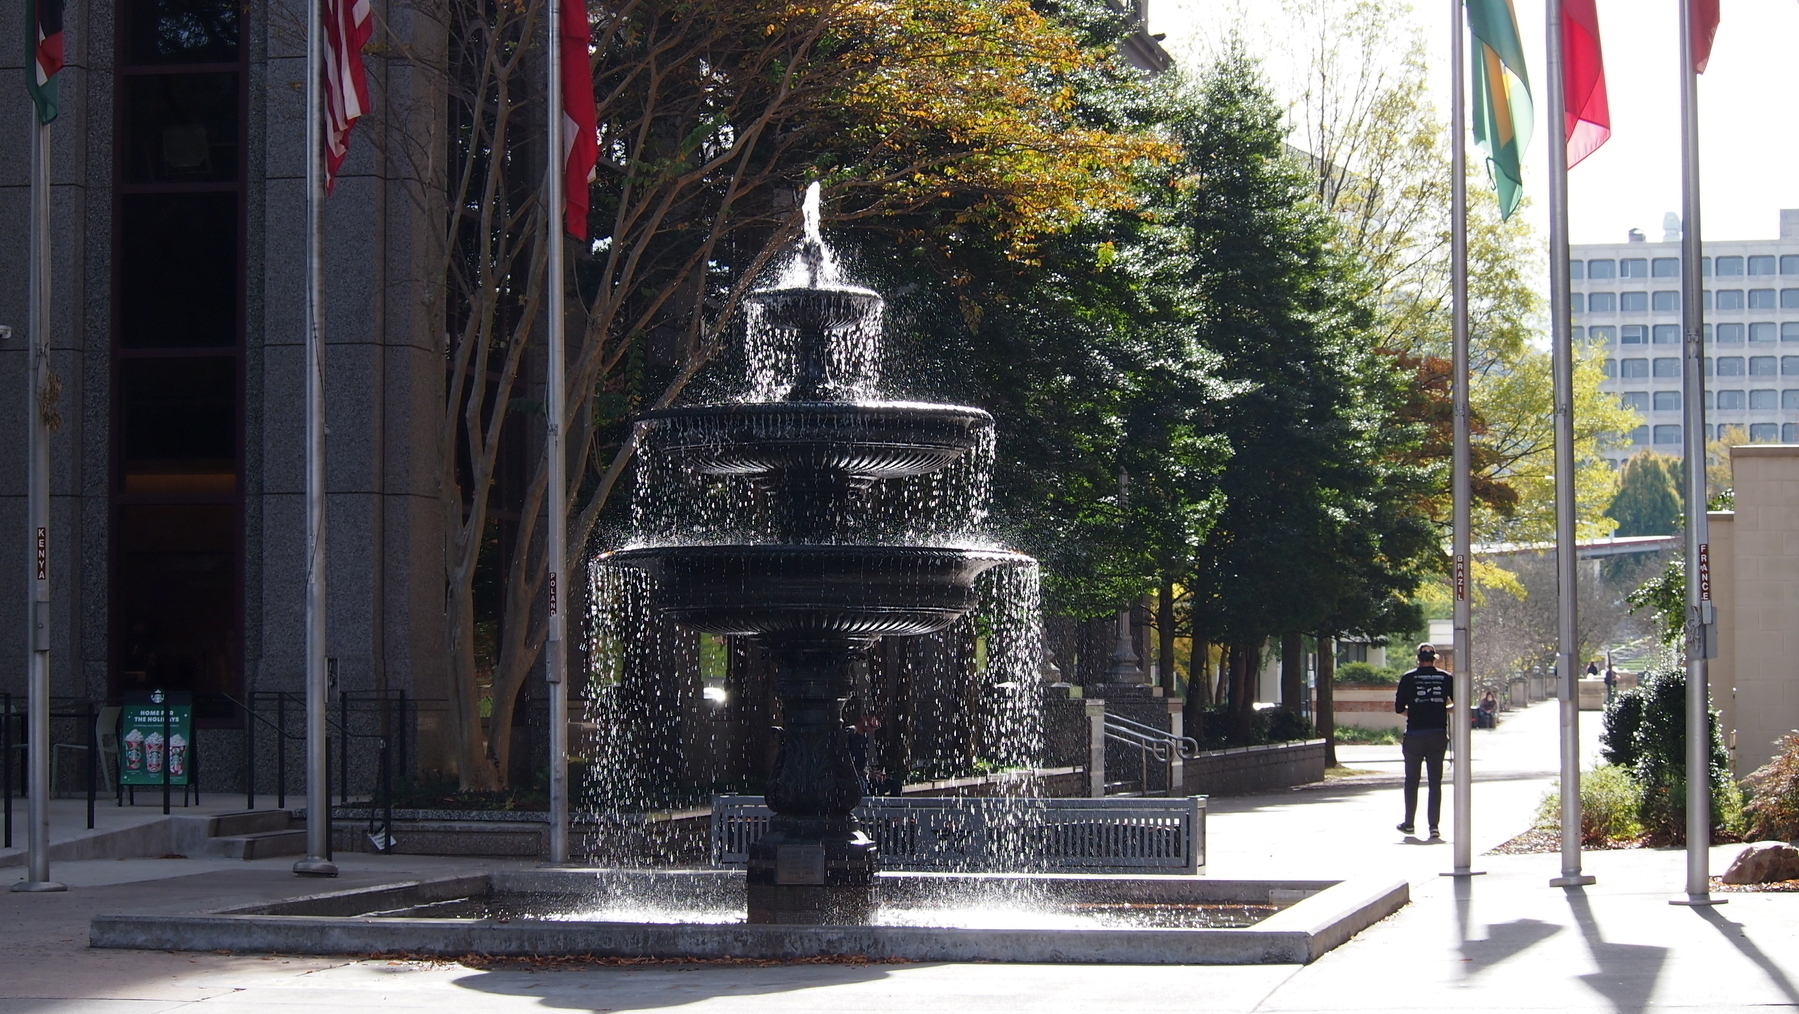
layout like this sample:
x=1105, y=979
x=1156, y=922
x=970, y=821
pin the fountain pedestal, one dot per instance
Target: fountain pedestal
x=814, y=865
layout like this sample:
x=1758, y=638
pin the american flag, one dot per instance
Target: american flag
x=348, y=28
x=43, y=26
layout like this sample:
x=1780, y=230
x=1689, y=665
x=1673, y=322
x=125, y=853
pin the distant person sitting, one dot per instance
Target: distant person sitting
x=1424, y=699
x=1486, y=713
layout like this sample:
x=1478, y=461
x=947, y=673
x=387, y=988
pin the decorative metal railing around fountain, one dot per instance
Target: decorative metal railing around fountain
x=782, y=534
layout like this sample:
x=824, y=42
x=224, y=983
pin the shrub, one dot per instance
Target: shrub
x=1609, y=801
x=1657, y=752
x=1355, y=735
x=1772, y=811
x=1623, y=717
x=1364, y=674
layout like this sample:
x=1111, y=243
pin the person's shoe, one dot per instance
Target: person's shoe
x=1405, y=828
x=1435, y=835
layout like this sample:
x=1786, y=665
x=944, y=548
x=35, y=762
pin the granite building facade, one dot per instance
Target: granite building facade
x=177, y=264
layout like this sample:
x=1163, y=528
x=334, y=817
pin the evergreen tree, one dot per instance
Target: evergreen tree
x=1321, y=513
x=1649, y=499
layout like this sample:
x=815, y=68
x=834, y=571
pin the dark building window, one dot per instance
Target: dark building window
x=177, y=391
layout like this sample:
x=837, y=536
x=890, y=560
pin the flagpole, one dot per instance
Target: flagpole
x=37, y=377
x=1461, y=479
x=318, y=789
x=1567, y=574
x=1701, y=633
x=555, y=644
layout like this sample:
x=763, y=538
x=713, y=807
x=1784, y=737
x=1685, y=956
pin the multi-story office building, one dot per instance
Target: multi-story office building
x=1627, y=297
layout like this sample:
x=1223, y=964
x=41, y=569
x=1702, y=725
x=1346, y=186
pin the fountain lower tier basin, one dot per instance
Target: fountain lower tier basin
x=824, y=591
x=697, y=914
x=865, y=441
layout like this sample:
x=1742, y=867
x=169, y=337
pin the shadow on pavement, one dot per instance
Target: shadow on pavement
x=1504, y=940
x=648, y=987
x=1738, y=937
x=1627, y=972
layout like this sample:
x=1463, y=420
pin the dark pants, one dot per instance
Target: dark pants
x=1425, y=749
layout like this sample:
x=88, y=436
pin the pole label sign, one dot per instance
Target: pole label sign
x=1705, y=571
x=43, y=553
x=156, y=733
x=1461, y=578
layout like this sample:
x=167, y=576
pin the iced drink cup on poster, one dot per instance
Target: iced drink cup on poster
x=153, y=753
x=177, y=755
x=134, y=750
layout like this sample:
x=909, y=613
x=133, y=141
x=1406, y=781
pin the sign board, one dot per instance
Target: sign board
x=156, y=737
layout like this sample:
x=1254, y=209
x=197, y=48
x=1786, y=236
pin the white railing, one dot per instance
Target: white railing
x=1002, y=834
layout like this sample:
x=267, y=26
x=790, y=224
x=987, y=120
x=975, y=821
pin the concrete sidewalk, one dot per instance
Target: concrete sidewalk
x=1504, y=941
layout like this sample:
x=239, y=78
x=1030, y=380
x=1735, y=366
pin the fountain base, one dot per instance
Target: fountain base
x=811, y=872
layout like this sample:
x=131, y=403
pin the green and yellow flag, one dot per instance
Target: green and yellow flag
x=1502, y=109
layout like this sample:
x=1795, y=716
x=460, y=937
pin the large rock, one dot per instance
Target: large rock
x=1764, y=863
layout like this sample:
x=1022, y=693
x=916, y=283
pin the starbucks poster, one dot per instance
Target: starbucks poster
x=156, y=733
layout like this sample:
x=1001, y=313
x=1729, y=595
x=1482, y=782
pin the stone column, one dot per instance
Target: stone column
x=814, y=865
x=1095, y=709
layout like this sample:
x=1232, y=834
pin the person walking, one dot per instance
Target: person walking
x=1424, y=699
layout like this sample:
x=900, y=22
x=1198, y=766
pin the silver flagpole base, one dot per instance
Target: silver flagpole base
x=1463, y=873
x=38, y=886
x=313, y=866
x=1698, y=900
x=1574, y=880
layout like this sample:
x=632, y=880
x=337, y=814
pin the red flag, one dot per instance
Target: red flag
x=580, y=136
x=348, y=28
x=1704, y=26
x=43, y=30
x=1587, y=116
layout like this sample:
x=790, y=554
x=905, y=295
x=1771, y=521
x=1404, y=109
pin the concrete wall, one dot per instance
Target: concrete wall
x=1252, y=769
x=1755, y=581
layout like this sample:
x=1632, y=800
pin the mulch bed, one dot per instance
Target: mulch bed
x=1539, y=840
x=1777, y=887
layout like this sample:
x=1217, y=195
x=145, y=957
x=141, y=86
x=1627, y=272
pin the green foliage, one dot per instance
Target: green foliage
x=1772, y=812
x=1361, y=673
x=1609, y=804
x=1665, y=596
x=1272, y=725
x=1649, y=738
x=1623, y=717
x=1355, y=735
x=1323, y=524
x=1648, y=500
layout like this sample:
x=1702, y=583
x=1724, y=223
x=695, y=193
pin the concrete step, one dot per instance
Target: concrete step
x=291, y=842
x=243, y=822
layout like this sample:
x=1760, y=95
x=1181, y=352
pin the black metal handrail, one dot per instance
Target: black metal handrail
x=392, y=736
x=90, y=716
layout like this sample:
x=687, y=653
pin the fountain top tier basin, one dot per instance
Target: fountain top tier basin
x=790, y=592
x=865, y=441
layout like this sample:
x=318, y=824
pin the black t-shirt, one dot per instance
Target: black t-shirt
x=1424, y=699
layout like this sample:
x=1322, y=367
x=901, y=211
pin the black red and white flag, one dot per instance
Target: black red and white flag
x=43, y=26
x=348, y=27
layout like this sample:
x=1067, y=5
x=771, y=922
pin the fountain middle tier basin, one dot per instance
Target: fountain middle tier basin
x=866, y=441
x=801, y=591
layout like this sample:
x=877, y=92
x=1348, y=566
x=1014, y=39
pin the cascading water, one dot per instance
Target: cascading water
x=816, y=519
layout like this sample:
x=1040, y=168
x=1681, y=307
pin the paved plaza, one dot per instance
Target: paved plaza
x=1504, y=941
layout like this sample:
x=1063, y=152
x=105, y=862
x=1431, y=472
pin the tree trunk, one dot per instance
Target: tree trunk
x=1171, y=684
x=1199, y=673
x=1293, y=671
x=1326, y=719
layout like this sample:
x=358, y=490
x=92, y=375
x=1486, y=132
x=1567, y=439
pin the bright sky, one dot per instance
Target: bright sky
x=1749, y=149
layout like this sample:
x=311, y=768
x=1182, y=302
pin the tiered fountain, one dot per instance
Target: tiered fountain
x=816, y=579
x=817, y=597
